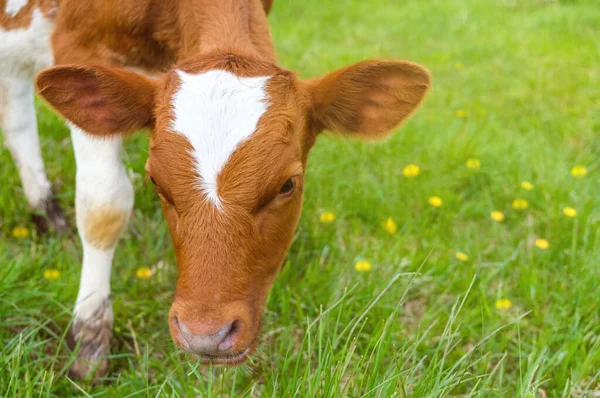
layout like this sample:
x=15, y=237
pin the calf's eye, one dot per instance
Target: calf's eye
x=288, y=187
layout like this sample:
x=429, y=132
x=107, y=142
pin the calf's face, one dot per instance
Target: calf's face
x=229, y=143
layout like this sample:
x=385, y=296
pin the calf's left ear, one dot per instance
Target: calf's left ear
x=368, y=99
x=101, y=101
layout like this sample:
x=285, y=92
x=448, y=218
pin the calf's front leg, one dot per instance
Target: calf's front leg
x=104, y=200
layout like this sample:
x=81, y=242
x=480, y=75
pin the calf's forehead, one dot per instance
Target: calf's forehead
x=215, y=126
x=216, y=111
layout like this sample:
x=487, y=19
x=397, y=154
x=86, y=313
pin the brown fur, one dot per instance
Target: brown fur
x=23, y=18
x=95, y=98
x=103, y=226
x=227, y=260
x=368, y=98
x=153, y=35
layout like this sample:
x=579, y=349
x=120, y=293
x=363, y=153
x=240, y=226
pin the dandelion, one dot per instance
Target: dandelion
x=520, y=204
x=569, y=212
x=459, y=66
x=143, y=273
x=473, y=163
x=526, y=185
x=327, y=217
x=363, y=266
x=461, y=113
x=497, y=216
x=461, y=256
x=503, y=304
x=435, y=201
x=411, y=170
x=579, y=171
x=20, y=232
x=542, y=243
x=51, y=274
x=390, y=226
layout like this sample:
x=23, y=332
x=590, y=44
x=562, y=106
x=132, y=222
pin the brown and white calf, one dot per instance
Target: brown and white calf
x=230, y=131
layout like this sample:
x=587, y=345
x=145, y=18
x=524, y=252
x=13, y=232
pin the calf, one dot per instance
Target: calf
x=230, y=132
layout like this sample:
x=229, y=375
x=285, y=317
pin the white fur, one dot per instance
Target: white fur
x=101, y=182
x=19, y=125
x=22, y=53
x=217, y=111
x=25, y=51
x=94, y=283
x=14, y=6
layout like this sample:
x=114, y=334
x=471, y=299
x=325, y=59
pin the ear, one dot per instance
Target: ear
x=368, y=99
x=100, y=100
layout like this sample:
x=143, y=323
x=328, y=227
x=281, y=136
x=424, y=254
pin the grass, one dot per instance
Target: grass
x=420, y=323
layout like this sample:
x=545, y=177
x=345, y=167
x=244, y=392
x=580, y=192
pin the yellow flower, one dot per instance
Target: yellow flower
x=435, y=201
x=579, y=171
x=460, y=256
x=569, y=212
x=459, y=66
x=503, y=304
x=542, y=243
x=143, y=273
x=473, y=163
x=461, y=113
x=520, y=204
x=20, y=232
x=363, y=266
x=51, y=274
x=390, y=226
x=327, y=217
x=411, y=170
x=526, y=185
x=497, y=216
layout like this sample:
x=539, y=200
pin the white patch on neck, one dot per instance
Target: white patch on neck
x=25, y=51
x=217, y=111
x=14, y=6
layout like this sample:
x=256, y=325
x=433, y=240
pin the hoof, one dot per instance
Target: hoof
x=90, y=338
x=51, y=217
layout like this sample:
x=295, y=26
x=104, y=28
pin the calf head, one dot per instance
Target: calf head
x=229, y=143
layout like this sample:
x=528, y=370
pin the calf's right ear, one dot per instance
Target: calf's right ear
x=368, y=99
x=101, y=101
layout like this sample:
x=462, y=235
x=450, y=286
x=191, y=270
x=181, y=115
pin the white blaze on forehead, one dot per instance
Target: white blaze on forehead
x=14, y=6
x=217, y=111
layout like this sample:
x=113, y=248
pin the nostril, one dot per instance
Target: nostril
x=227, y=343
x=220, y=341
x=224, y=331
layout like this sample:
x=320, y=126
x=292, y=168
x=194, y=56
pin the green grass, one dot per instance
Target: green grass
x=420, y=323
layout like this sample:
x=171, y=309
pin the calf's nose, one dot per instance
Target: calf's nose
x=219, y=342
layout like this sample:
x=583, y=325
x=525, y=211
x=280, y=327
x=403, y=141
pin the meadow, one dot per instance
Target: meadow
x=460, y=257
